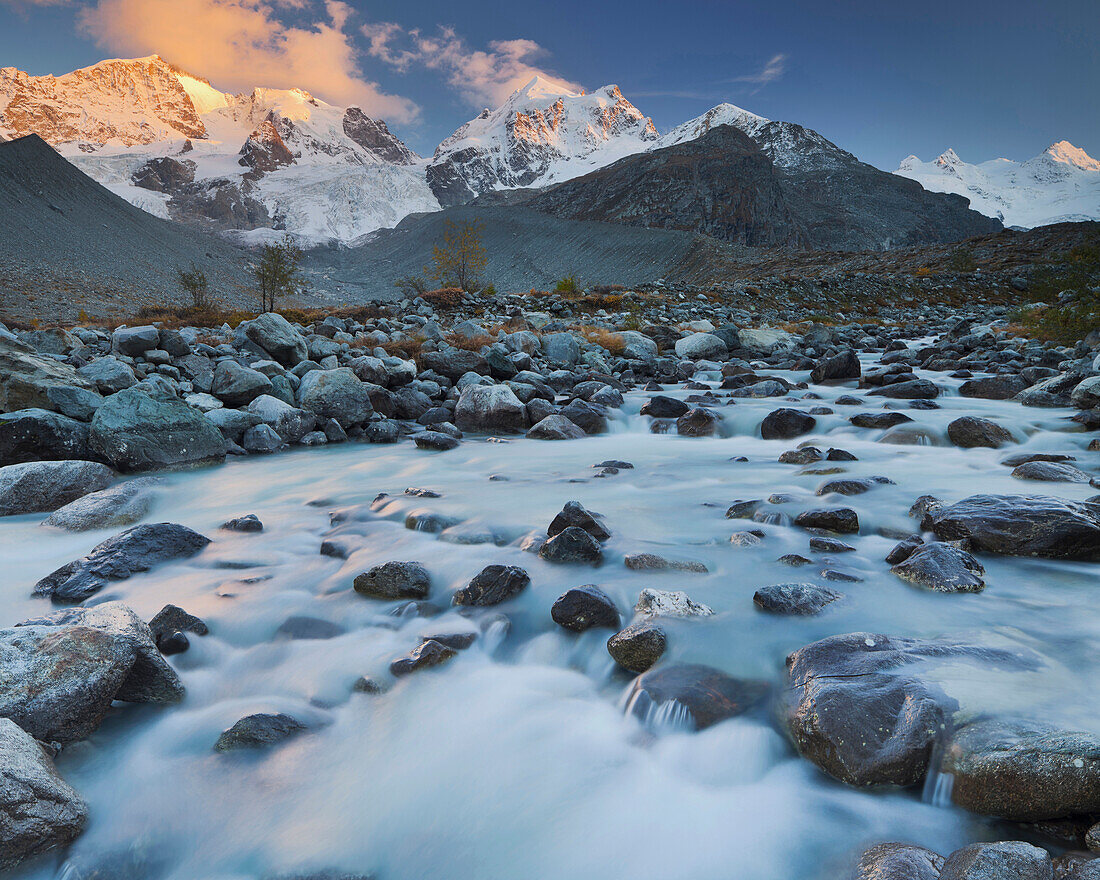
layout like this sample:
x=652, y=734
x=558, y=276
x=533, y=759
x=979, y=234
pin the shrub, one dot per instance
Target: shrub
x=962, y=260
x=194, y=284
x=444, y=298
x=568, y=284
x=1070, y=293
x=411, y=286
x=460, y=259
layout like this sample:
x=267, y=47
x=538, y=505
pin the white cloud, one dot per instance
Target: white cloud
x=480, y=76
x=775, y=68
x=239, y=44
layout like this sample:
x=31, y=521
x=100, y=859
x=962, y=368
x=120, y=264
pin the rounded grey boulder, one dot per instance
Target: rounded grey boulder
x=40, y=486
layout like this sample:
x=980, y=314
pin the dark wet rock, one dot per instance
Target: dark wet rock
x=422, y=520
x=367, y=685
x=904, y=549
x=783, y=424
x=60, y=673
x=173, y=643
x=423, y=656
x=394, y=580
x=829, y=545
x=120, y=505
x=852, y=485
x=135, y=550
x=40, y=486
x=335, y=549
x=583, y=608
x=1024, y=457
x=844, y=365
x=898, y=861
x=139, y=431
x=943, y=568
x=41, y=435
x=662, y=407
x=1077, y=866
x=854, y=710
x=879, y=420
x=744, y=509
x=1051, y=472
x=589, y=417
x=435, y=441
x=492, y=585
x=705, y=693
x=1022, y=525
x=575, y=514
x=308, y=628
x=247, y=523
x=803, y=455
x=555, y=427
x=697, y=422
x=924, y=508
x=842, y=520
x=39, y=811
x=1006, y=860
x=913, y=389
x=794, y=560
x=638, y=647
x=794, y=598
x=259, y=730
x=1024, y=770
x=460, y=641
x=261, y=439
x=173, y=620
x=1001, y=387
x=970, y=432
x=572, y=544
x=615, y=463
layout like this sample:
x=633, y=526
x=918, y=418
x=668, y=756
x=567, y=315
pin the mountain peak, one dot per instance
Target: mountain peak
x=1068, y=154
x=948, y=158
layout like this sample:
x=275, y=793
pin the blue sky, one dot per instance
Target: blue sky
x=882, y=79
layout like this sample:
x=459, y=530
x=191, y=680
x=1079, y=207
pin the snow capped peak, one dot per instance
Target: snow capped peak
x=948, y=159
x=541, y=88
x=908, y=164
x=1068, y=154
x=723, y=114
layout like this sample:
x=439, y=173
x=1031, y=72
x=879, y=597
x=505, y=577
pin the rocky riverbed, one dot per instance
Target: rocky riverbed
x=334, y=601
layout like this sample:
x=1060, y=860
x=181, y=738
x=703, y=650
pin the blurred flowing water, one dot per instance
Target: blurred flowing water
x=517, y=759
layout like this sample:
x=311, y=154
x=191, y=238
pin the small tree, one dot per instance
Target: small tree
x=279, y=272
x=194, y=284
x=460, y=260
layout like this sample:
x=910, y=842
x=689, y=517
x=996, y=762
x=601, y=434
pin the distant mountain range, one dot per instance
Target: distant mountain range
x=1059, y=185
x=258, y=164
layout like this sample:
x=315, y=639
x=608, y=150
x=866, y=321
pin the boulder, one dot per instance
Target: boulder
x=765, y=340
x=839, y=367
x=842, y=520
x=135, y=341
x=638, y=647
x=638, y=347
x=490, y=409
x=783, y=424
x=700, y=695
x=970, y=432
x=575, y=514
x=802, y=599
x=138, y=431
x=109, y=375
x=237, y=386
x=41, y=435
x=76, y=403
x=278, y=337
x=120, y=505
x=454, y=363
x=1024, y=770
x=912, y=389
x=336, y=394
x=1086, y=394
x=1001, y=387
x=561, y=349
x=289, y=422
x=943, y=568
x=697, y=422
x=583, y=608
x=257, y=731
x=572, y=545
x=555, y=427
x=40, y=486
x=394, y=580
x=1005, y=860
x=1051, y=472
x=427, y=654
x=60, y=673
x=1023, y=525
x=898, y=861
x=492, y=585
x=135, y=550
x=669, y=603
x=39, y=811
x=589, y=417
x=701, y=346
x=26, y=377
x=662, y=407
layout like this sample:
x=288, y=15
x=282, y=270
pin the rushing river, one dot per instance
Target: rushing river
x=516, y=759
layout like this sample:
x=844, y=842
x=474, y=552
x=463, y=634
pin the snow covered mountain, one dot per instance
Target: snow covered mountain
x=539, y=136
x=1060, y=184
x=177, y=147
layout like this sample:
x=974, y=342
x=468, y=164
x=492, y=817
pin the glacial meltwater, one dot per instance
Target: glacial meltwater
x=518, y=758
